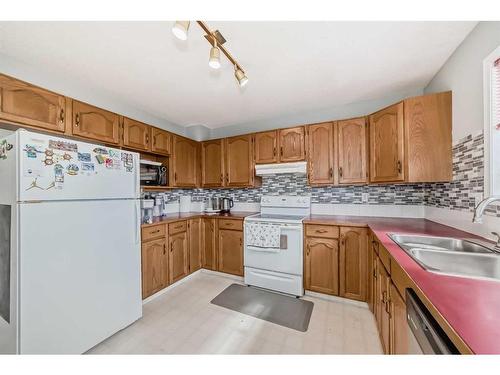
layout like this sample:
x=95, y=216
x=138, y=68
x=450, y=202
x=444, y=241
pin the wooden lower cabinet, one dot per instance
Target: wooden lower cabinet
x=154, y=267
x=399, y=326
x=230, y=254
x=178, y=256
x=321, y=265
x=209, y=253
x=383, y=321
x=195, y=245
x=353, y=263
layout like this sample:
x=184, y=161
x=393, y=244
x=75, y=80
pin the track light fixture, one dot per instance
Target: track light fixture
x=216, y=40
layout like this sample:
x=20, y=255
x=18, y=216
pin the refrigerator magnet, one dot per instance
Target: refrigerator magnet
x=100, y=159
x=84, y=156
x=4, y=147
x=88, y=167
x=63, y=145
x=31, y=151
x=100, y=151
x=72, y=169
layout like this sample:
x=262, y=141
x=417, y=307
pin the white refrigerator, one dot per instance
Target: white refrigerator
x=70, y=259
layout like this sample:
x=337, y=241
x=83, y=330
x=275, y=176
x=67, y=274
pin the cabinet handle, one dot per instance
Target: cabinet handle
x=331, y=172
x=274, y=151
x=342, y=240
x=221, y=178
x=147, y=138
x=374, y=273
x=229, y=224
x=384, y=298
x=77, y=120
x=227, y=177
x=308, y=250
x=164, y=249
x=61, y=116
x=399, y=166
x=388, y=308
x=321, y=231
x=175, y=176
x=341, y=172
x=156, y=231
x=154, y=141
x=281, y=150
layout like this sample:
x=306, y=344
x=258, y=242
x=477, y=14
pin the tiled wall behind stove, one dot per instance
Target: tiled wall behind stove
x=468, y=172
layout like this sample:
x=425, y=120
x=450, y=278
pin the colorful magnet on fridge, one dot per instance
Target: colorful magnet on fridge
x=72, y=169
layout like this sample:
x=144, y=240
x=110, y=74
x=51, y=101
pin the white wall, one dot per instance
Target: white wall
x=463, y=74
x=77, y=89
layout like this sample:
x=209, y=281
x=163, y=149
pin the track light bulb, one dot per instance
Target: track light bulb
x=240, y=76
x=214, y=60
x=180, y=29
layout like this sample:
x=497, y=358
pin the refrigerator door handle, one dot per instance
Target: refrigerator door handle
x=137, y=236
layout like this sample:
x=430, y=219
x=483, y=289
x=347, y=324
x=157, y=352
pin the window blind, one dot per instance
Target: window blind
x=495, y=102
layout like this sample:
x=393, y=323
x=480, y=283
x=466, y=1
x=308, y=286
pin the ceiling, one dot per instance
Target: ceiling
x=292, y=66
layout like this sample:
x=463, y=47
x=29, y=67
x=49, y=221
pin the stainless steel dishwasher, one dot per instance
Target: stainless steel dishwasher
x=425, y=334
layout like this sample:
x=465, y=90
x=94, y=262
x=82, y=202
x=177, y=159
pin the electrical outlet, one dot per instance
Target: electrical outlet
x=364, y=197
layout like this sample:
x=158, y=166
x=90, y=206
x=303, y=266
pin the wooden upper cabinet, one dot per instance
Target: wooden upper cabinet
x=266, y=147
x=239, y=161
x=352, y=151
x=212, y=163
x=136, y=134
x=353, y=263
x=322, y=265
x=428, y=138
x=184, y=166
x=387, y=144
x=292, y=145
x=154, y=267
x=230, y=257
x=95, y=123
x=178, y=256
x=26, y=104
x=209, y=254
x=161, y=141
x=195, y=245
x=320, y=153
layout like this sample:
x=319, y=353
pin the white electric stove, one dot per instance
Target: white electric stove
x=278, y=268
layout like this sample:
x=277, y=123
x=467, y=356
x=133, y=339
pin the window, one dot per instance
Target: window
x=492, y=123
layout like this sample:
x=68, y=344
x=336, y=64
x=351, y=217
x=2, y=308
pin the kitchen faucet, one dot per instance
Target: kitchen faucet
x=479, y=210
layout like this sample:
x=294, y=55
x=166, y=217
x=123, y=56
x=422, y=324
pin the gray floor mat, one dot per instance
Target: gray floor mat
x=276, y=308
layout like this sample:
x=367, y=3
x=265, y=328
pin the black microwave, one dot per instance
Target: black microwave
x=153, y=174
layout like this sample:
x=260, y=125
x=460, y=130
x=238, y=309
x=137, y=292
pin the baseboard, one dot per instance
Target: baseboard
x=328, y=297
x=170, y=287
x=222, y=274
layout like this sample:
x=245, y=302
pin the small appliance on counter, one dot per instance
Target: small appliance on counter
x=212, y=205
x=227, y=204
x=153, y=173
x=147, y=206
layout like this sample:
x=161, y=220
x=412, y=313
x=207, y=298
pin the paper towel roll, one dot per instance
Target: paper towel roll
x=185, y=203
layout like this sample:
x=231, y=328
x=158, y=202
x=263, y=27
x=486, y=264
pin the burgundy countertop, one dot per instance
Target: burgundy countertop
x=191, y=215
x=470, y=306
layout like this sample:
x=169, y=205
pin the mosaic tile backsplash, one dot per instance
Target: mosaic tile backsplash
x=460, y=194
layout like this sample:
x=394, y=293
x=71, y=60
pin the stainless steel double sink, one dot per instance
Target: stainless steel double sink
x=451, y=256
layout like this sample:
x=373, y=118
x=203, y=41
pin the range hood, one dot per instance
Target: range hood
x=264, y=169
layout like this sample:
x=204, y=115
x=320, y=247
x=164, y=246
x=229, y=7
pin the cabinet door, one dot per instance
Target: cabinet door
x=194, y=227
x=185, y=165
x=209, y=254
x=320, y=153
x=30, y=105
x=266, y=145
x=230, y=251
x=322, y=265
x=386, y=144
x=161, y=141
x=178, y=256
x=353, y=262
x=292, y=145
x=384, y=318
x=212, y=163
x=377, y=294
x=239, y=161
x=154, y=267
x=135, y=134
x=95, y=123
x=351, y=135
x=399, y=326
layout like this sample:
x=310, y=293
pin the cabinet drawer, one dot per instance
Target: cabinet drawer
x=230, y=224
x=153, y=232
x=327, y=231
x=177, y=227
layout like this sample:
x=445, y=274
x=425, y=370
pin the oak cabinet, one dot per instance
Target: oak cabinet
x=353, y=263
x=239, y=161
x=399, y=325
x=387, y=144
x=209, y=253
x=195, y=245
x=266, y=144
x=212, y=163
x=95, y=123
x=30, y=105
x=292, y=145
x=178, y=256
x=321, y=265
x=383, y=321
x=184, y=166
x=230, y=255
x=161, y=141
x=352, y=151
x=154, y=266
x=135, y=134
x=320, y=153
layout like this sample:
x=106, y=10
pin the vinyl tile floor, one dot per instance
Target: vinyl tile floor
x=183, y=321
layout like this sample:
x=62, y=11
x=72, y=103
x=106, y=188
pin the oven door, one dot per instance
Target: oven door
x=287, y=259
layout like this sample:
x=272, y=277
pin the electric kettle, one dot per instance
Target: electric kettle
x=227, y=204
